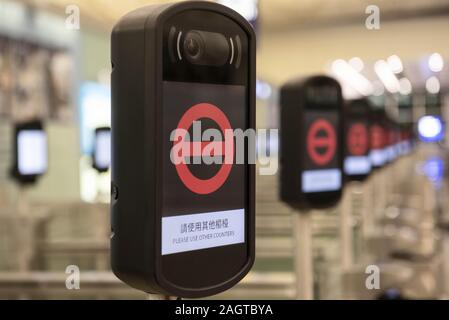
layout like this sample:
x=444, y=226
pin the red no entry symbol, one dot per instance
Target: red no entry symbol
x=357, y=139
x=377, y=137
x=321, y=142
x=226, y=147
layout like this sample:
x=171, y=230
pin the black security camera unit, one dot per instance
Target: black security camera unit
x=182, y=228
x=357, y=161
x=101, y=154
x=311, y=151
x=391, y=139
x=30, y=152
x=407, y=138
x=378, y=140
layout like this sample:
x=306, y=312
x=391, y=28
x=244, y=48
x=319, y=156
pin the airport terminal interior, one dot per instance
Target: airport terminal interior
x=387, y=237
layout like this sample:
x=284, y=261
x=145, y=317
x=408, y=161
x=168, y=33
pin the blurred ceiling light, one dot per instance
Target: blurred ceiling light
x=395, y=64
x=405, y=86
x=263, y=90
x=434, y=168
x=247, y=8
x=430, y=128
x=356, y=63
x=387, y=77
x=378, y=88
x=433, y=85
x=436, y=62
x=349, y=75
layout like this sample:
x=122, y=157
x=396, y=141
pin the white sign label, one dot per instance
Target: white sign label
x=405, y=147
x=378, y=157
x=391, y=153
x=357, y=165
x=202, y=230
x=321, y=180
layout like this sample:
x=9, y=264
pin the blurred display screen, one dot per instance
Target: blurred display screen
x=32, y=152
x=181, y=202
x=321, y=170
x=378, y=152
x=102, y=157
x=357, y=160
x=95, y=111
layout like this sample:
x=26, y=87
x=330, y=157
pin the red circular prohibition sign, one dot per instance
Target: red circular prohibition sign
x=327, y=142
x=194, y=184
x=357, y=139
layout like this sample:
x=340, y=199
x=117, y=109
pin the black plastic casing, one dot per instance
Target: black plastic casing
x=378, y=118
x=137, y=101
x=391, y=135
x=408, y=134
x=294, y=105
x=357, y=111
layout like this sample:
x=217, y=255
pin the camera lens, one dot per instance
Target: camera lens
x=206, y=48
x=193, y=46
